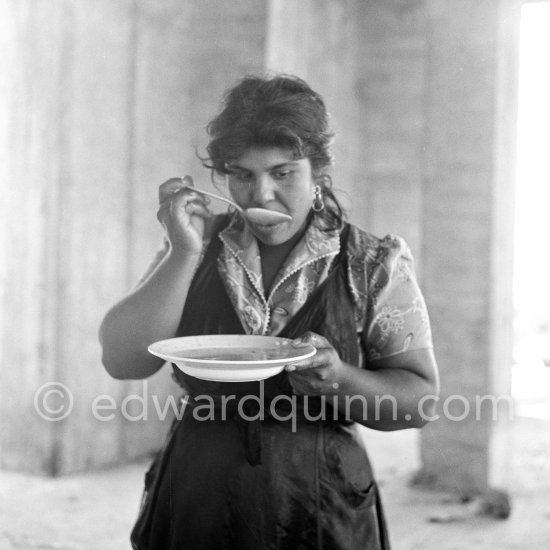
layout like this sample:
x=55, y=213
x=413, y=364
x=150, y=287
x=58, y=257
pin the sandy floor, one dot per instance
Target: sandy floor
x=95, y=511
x=425, y=520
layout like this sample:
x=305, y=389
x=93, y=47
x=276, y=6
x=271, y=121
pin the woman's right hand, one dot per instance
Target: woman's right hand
x=183, y=214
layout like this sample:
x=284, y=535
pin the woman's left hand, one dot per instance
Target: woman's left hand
x=319, y=374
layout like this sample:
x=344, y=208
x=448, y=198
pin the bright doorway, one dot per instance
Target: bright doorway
x=531, y=371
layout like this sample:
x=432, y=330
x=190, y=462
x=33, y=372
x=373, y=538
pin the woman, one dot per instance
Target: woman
x=300, y=476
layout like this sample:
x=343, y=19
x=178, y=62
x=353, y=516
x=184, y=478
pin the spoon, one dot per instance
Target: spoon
x=261, y=216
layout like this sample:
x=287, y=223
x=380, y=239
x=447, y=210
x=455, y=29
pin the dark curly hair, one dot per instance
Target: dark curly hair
x=280, y=111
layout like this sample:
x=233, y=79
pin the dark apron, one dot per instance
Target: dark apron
x=299, y=478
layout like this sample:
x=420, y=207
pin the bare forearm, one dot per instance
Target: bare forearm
x=391, y=394
x=385, y=399
x=152, y=312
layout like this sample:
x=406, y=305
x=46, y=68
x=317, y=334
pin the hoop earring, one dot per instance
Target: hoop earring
x=318, y=202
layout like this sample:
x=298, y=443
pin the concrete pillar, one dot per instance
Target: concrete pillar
x=467, y=236
x=66, y=157
x=103, y=101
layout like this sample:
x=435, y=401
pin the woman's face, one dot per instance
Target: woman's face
x=270, y=177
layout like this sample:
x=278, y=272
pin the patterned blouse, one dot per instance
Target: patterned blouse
x=390, y=311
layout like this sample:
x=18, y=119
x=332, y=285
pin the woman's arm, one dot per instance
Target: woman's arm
x=152, y=311
x=392, y=394
x=399, y=391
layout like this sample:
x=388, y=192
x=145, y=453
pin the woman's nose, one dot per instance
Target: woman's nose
x=263, y=190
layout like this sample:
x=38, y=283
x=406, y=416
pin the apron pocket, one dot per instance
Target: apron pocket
x=351, y=509
x=347, y=466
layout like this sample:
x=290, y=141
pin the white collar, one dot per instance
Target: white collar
x=316, y=243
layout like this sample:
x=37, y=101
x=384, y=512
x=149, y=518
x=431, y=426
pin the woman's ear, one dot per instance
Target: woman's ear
x=321, y=177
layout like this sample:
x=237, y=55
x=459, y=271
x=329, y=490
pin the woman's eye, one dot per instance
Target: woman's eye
x=241, y=176
x=281, y=174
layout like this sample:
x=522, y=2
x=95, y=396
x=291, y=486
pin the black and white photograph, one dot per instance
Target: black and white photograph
x=273, y=274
